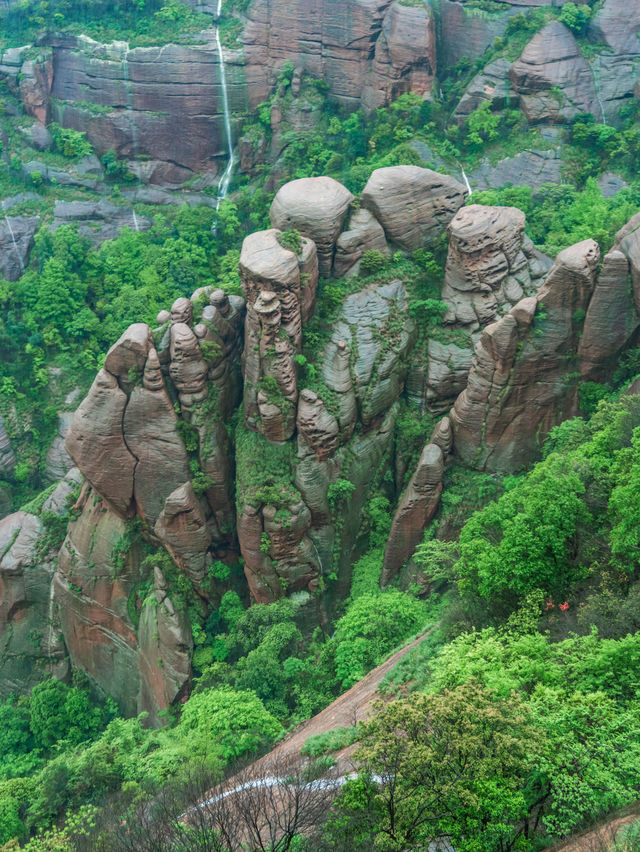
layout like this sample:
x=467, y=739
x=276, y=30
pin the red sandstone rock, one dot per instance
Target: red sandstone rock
x=518, y=388
x=413, y=205
x=316, y=207
x=96, y=444
x=552, y=61
x=417, y=506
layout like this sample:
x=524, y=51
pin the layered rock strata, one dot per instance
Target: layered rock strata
x=491, y=265
x=519, y=386
x=417, y=506
x=413, y=205
x=276, y=282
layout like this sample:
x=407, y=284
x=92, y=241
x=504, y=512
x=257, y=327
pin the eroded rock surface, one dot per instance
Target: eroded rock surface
x=490, y=265
x=552, y=77
x=271, y=281
x=417, y=506
x=316, y=207
x=413, y=205
x=518, y=387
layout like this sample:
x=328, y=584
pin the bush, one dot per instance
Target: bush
x=372, y=626
x=372, y=262
x=59, y=712
x=70, y=143
x=236, y=721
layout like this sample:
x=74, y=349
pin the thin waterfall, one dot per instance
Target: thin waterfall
x=13, y=239
x=596, y=85
x=50, y=622
x=466, y=180
x=225, y=180
x=134, y=129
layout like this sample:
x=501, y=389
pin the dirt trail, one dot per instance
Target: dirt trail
x=350, y=708
x=601, y=838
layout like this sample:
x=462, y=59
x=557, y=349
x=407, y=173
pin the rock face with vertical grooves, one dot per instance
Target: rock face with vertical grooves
x=417, y=506
x=413, y=205
x=552, y=77
x=518, y=387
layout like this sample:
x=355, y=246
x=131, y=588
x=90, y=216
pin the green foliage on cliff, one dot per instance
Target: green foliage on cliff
x=138, y=21
x=559, y=215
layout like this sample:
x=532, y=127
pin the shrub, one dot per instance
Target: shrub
x=372, y=626
x=237, y=721
x=372, y=262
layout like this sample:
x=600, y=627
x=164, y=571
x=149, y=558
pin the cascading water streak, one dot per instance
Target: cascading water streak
x=134, y=129
x=596, y=86
x=225, y=179
x=13, y=238
x=466, y=180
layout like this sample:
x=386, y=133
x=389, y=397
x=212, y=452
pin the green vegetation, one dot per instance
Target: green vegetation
x=138, y=21
x=515, y=720
x=559, y=215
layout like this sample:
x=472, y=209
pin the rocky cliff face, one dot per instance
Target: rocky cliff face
x=286, y=490
x=161, y=107
x=151, y=443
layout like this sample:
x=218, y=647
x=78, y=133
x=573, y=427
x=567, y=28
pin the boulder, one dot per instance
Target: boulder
x=552, y=77
x=318, y=429
x=364, y=234
x=316, y=208
x=486, y=265
x=413, y=205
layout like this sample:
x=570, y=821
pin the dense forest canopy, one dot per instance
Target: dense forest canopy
x=319, y=342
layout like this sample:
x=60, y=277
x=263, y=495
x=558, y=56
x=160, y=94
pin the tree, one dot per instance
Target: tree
x=371, y=627
x=235, y=720
x=524, y=540
x=575, y=17
x=451, y=765
x=59, y=712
